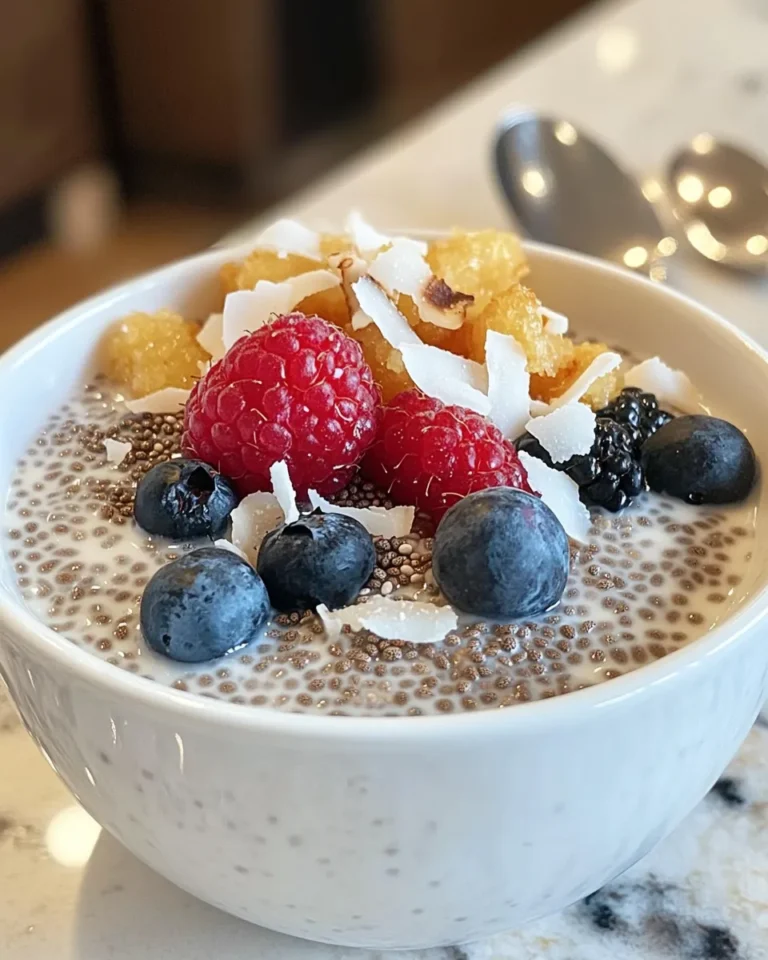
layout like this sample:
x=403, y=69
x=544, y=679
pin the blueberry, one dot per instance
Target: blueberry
x=320, y=558
x=700, y=459
x=203, y=605
x=184, y=499
x=501, y=554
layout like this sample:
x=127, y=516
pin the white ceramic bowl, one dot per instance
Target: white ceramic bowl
x=394, y=832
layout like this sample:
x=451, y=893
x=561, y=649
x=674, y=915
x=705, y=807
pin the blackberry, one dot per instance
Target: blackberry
x=609, y=475
x=638, y=412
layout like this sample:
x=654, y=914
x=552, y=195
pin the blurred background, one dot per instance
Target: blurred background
x=133, y=132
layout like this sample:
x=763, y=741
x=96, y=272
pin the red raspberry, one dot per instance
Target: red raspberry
x=297, y=390
x=431, y=455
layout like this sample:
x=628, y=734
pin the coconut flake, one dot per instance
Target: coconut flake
x=375, y=303
x=566, y=432
x=508, y=383
x=117, y=450
x=246, y=311
x=333, y=621
x=368, y=240
x=554, y=322
x=412, y=621
x=448, y=378
x=560, y=494
x=402, y=269
x=378, y=521
x=167, y=400
x=670, y=386
x=289, y=237
x=211, y=337
x=539, y=408
x=226, y=545
x=283, y=490
x=602, y=364
x=350, y=268
x=307, y=284
x=254, y=517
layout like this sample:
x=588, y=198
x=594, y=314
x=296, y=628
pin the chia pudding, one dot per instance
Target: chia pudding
x=651, y=574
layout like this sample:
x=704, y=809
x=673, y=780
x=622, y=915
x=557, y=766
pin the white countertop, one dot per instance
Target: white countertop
x=643, y=77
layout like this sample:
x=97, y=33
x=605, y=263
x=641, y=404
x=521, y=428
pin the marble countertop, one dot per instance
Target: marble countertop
x=643, y=76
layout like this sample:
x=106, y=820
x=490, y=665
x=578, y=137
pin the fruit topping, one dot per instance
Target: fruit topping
x=297, y=390
x=638, y=413
x=609, y=475
x=183, y=499
x=483, y=264
x=203, y=605
x=516, y=312
x=700, y=459
x=431, y=455
x=320, y=558
x=447, y=294
x=145, y=352
x=501, y=554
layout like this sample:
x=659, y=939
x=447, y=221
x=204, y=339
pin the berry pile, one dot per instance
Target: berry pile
x=638, y=413
x=609, y=476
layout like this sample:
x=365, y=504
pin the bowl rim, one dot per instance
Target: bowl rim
x=636, y=685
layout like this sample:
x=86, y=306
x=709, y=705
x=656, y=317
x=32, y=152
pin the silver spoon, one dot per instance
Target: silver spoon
x=566, y=190
x=719, y=194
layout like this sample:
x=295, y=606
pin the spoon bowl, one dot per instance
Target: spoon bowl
x=567, y=191
x=719, y=193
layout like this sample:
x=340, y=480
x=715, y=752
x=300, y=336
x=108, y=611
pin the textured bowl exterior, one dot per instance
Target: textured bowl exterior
x=386, y=833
